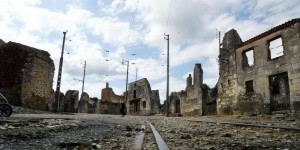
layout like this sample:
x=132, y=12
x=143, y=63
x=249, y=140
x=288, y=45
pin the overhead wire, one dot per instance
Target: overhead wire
x=278, y=9
x=167, y=22
x=132, y=19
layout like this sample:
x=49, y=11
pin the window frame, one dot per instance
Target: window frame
x=269, y=50
x=245, y=56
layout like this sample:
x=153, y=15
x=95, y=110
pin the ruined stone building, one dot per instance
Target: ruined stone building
x=26, y=76
x=141, y=99
x=262, y=74
x=110, y=102
x=71, y=101
x=83, y=104
x=190, y=101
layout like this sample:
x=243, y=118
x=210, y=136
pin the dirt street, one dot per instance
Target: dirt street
x=95, y=131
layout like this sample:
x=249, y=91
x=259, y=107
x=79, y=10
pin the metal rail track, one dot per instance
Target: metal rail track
x=248, y=124
x=139, y=139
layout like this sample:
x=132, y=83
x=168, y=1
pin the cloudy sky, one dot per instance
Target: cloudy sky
x=105, y=32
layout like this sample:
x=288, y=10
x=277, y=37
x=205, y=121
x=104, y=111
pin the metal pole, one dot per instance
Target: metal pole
x=168, y=61
x=126, y=87
x=136, y=71
x=83, y=77
x=60, y=71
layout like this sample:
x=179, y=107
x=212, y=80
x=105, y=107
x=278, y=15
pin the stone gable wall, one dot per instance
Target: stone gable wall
x=232, y=96
x=189, y=102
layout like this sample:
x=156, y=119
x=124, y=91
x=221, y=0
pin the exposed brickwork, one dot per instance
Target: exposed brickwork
x=27, y=72
x=108, y=95
x=110, y=102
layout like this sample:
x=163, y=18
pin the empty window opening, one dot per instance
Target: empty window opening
x=177, y=107
x=134, y=94
x=279, y=90
x=249, y=86
x=248, y=58
x=144, y=104
x=276, y=48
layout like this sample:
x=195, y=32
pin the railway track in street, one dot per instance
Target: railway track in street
x=249, y=124
x=149, y=138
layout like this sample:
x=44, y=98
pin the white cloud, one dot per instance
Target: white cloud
x=192, y=27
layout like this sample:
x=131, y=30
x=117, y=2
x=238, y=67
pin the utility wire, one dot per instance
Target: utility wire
x=167, y=23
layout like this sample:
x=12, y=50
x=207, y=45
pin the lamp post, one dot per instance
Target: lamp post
x=126, y=92
x=60, y=72
x=167, y=92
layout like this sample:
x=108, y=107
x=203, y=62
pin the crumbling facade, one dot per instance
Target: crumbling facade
x=26, y=76
x=110, y=102
x=262, y=74
x=71, y=101
x=141, y=99
x=190, y=101
x=83, y=104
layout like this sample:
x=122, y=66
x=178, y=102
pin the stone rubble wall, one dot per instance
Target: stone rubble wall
x=156, y=101
x=140, y=90
x=83, y=105
x=71, y=101
x=232, y=96
x=191, y=101
x=28, y=73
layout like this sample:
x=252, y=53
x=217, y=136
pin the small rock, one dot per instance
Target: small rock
x=185, y=136
x=227, y=135
x=128, y=134
x=128, y=128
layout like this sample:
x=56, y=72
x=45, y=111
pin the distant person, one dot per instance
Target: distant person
x=123, y=109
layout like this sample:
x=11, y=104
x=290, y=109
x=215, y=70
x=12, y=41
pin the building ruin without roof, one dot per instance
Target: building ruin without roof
x=110, y=102
x=190, y=101
x=262, y=74
x=141, y=99
x=26, y=76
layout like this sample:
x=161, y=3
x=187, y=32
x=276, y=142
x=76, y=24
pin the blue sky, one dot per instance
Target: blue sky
x=113, y=30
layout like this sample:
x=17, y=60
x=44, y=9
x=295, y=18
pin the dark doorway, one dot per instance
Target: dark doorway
x=177, y=106
x=279, y=92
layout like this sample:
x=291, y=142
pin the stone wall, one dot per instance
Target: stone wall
x=108, y=95
x=190, y=101
x=141, y=99
x=27, y=73
x=109, y=108
x=110, y=102
x=271, y=83
x=156, y=101
x=71, y=101
x=83, y=104
x=227, y=90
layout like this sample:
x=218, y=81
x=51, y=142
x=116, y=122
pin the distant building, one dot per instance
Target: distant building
x=262, y=74
x=26, y=76
x=110, y=102
x=190, y=101
x=141, y=99
x=71, y=101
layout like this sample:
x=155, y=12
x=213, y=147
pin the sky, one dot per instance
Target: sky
x=109, y=33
